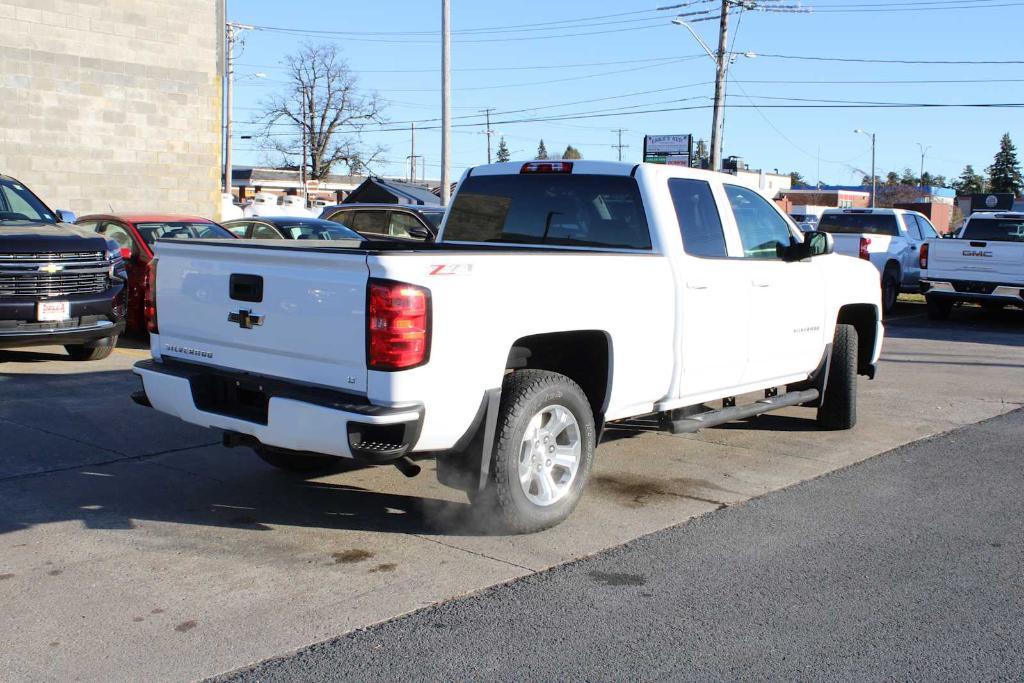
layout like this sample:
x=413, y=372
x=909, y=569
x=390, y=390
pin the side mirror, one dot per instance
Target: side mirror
x=816, y=243
x=65, y=216
x=420, y=233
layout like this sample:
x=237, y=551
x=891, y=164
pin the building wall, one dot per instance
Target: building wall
x=113, y=103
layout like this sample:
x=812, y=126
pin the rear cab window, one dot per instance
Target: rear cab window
x=995, y=229
x=580, y=210
x=697, y=213
x=859, y=223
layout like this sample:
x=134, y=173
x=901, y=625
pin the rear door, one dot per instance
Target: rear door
x=910, y=261
x=284, y=311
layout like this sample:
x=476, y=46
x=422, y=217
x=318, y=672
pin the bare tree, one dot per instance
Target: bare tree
x=326, y=112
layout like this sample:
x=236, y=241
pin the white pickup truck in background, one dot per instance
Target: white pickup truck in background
x=559, y=296
x=984, y=265
x=890, y=239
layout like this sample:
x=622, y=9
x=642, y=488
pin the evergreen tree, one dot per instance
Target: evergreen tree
x=908, y=177
x=969, y=182
x=571, y=153
x=891, y=178
x=542, y=151
x=939, y=181
x=796, y=180
x=503, y=153
x=927, y=180
x=1004, y=173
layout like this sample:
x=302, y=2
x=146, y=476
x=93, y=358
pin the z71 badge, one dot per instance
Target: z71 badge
x=451, y=269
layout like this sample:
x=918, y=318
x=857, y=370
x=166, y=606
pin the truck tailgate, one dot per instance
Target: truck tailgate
x=295, y=312
x=971, y=259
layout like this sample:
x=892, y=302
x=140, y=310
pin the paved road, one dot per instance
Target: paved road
x=908, y=566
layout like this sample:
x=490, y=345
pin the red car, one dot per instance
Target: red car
x=137, y=233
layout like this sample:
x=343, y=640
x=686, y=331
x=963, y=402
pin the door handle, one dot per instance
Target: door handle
x=913, y=247
x=696, y=284
x=761, y=283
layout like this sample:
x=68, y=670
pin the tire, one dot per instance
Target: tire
x=526, y=490
x=304, y=463
x=838, y=409
x=102, y=349
x=890, y=288
x=938, y=309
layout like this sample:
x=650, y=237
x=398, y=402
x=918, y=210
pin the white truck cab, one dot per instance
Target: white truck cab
x=890, y=239
x=559, y=296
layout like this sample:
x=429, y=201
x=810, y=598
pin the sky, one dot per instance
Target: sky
x=541, y=59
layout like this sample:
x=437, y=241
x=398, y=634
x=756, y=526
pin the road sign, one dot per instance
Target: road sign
x=674, y=150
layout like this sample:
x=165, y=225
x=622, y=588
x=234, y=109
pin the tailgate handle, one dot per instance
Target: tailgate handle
x=979, y=244
x=246, y=287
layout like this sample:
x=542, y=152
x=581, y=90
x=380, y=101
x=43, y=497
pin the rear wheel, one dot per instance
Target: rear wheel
x=838, y=409
x=890, y=288
x=938, y=308
x=94, y=351
x=543, y=452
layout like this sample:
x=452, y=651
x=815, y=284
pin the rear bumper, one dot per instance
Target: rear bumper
x=971, y=290
x=279, y=413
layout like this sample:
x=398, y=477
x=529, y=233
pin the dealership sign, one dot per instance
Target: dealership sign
x=675, y=150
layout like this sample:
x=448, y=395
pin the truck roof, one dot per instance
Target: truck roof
x=614, y=168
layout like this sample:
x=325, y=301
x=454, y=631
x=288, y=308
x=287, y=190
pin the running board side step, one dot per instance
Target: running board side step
x=692, y=423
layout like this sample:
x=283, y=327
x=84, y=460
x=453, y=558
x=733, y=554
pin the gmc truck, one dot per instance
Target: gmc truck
x=59, y=284
x=560, y=296
x=984, y=264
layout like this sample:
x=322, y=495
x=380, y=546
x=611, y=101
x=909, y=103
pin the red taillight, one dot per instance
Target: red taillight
x=398, y=325
x=865, y=242
x=924, y=255
x=149, y=298
x=547, y=167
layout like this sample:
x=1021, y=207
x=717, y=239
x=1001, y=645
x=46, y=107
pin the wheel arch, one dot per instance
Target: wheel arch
x=864, y=318
x=584, y=356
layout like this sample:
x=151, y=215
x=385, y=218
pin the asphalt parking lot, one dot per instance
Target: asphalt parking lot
x=134, y=546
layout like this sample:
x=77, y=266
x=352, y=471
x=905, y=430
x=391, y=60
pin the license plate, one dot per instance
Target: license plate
x=53, y=311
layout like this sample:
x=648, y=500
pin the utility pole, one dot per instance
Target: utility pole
x=446, y=96
x=620, y=146
x=721, y=68
x=302, y=166
x=488, y=132
x=412, y=151
x=231, y=30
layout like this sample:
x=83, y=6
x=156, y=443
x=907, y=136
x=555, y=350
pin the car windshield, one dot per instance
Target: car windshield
x=316, y=230
x=546, y=208
x=180, y=230
x=18, y=205
x=859, y=223
x=995, y=229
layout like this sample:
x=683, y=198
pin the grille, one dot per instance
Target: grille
x=80, y=272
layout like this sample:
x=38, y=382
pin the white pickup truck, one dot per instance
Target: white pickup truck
x=559, y=296
x=984, y=264
x=890, y=239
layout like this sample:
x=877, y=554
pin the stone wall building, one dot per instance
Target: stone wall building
x=113, y=104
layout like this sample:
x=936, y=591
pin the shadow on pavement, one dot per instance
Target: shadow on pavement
x=967, y=323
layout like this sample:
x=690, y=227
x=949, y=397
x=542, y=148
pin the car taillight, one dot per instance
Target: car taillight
x=924, y=255
x=398, y=325
x=865, y=242
x=547, y=167
x=149, y=298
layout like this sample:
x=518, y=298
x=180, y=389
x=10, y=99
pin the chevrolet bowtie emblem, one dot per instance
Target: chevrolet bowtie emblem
x=50, y=268
x=245, y=319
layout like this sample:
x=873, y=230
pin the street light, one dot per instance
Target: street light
x=873, y=180
x=721, y=71
x=924, y=150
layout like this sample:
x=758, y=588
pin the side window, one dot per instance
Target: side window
x=116, y=232
x=341, y=217
x=927, y=230
x=698, y=217
x=262, y=231
x=910, y=220
x=762, y=229
x=238, y=229
x=374, y=222
x=400, y=224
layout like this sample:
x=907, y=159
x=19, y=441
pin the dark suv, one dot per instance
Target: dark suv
x=59, y=284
